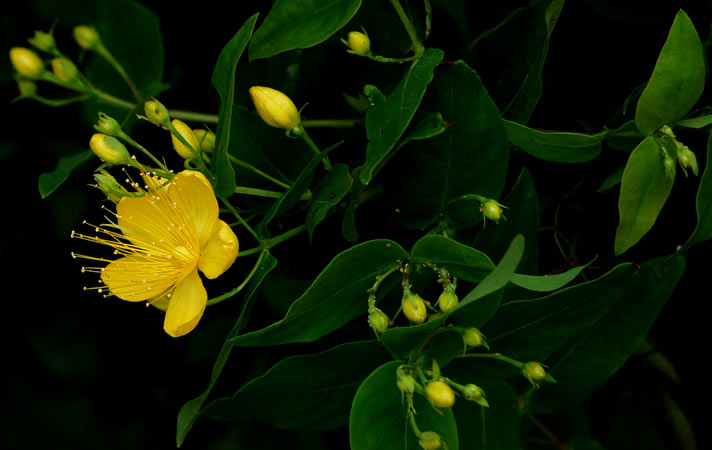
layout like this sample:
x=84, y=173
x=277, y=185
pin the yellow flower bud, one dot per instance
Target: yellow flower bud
x=378, y=320
x=64, y=69
x=439, y=394
x=473, y=338
x=109, y=149
x=359, y=43
x=429, y=440
x=26, y=61
x=42, y=41
x=206, y=139
x=491, y=210
x=185, y=131
x=156, y=112
x=448, y=300
x=86, y=36
x=274, y=107
x=535, y=373
x=413, y=307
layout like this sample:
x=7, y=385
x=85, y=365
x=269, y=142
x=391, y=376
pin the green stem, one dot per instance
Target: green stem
x=106, y=54
x=57, y=103
x=330, y=123
x=249, y=166
x=108, y=98
x=227, y=295
x=193, y=116
x=266, y=193
x=303, y=134
x=385, y=59
x=269, y=243
x=497, y=356
x=418, y=47
x=135, y=144
x=234, y=212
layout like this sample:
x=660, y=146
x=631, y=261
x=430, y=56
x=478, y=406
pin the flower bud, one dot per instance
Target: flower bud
x=64, y=69
x=206, y=139
x=43, y=41
x=430, y=440
x=187, y=134
x=669, y=164
x=475, y=394
x=535, y=373
x=27, y=88
x=687, y=159
x=473, y=338
x=448, y=300
x=26, y=61
x=86, y=36
x=439, y=394
x=413, y=307
x=491, y=210
x=156, y=112
x=359, y=43
x=109, y=149
x=378, y=320
x=406, y=384
x=109, y=186
x=108, y=125
x=274, y=107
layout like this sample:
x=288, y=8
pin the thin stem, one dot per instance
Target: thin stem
x=315, y=149
x=330, y=123
x=58, y=103
x=266, y=193
x=418, y=47
x=269, y=243
x=108, y=98
x=106, y=54
x=249, y=166
x=135, y=144
x=234, y=212
x=193, y=116
x=227, y=295
x=385, y=59
x=497, y=356
x=428, y=17
x=548, y=433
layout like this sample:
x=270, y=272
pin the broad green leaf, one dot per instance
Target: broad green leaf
x=223, y=80
x=597, y=354
x=612, y=179
x=293, y=24
x=470, y=157
x=460, y=260
x=555, y=146
x=50, y=181
x=379, y=419
x=703, y=230
x=534, y=329
x=677, y=81
x=304, y=392
x=696, y=122
x=546, y=283
x=645, y=187
x=192, y=409
x=337, y=296
x=387, y=121
x=328, y=193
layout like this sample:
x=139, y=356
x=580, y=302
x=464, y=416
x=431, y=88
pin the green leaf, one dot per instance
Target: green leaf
x=597, y=354
x=703, y=230
x=328, y=193
x=624, y=138
x=293, y=24
x=387, y=121
x=677, y=80
x=546, y=283
x=379, y=418
x=460, y=260
x=645, y=187
x=534, y=329
x=612, y=179
x=470, y=157
x=304, y=392
x=223, y=80
x=50, y=181
x=696, y=122
x=555, y=146
x=337, y=296
x=192, y=409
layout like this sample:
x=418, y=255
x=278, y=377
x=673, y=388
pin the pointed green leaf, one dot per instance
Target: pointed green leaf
x=328, y=193
x=223, y=81
x=460, y=260
x=703, y=230
x=304, y=392
x=50, y=181
x=677, y=80
x=387, y=121
x=293, y=24
x=546, y=283
x=645, y=187
x=555, y=146
x=337, y=296
x=696, y=122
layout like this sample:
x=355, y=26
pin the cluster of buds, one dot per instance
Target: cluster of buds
x=682, y=154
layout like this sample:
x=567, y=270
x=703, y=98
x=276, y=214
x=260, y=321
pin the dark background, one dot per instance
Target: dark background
x=81, y=371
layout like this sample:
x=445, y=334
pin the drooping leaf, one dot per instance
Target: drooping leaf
x=703, y=230
x=304, y=392
x=379, y=419
x=546, y=283
x=696, y=122
x=555, y=146
x=645, y=187
x=328, y=193
x=677, y=81
x=50, y=181
x=460, y=260
x=337, y=296
x=292, y=24
x=387, y=121
x=223, y=80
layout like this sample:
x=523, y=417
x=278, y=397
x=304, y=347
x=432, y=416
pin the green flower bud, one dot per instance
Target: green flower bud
x=406, y=384
x=448, y=300
x=26, y=62
x=206, y=138
x=187, y=134
x=413, y=307
x=491, y=210
x=378, y=320
x=474, y=338
x=430, y=440
x=27, y=88
x=669, y=164
x=156, y=112
x=86, y=36
x=687, y=159
x=475, y=394
x=439, y=394
x=108, y=125
x=359, y=43
x=109, y=186
x=274, y=107
x=535, y=373
x=64, y=69
x=43, y=41
x=109, y=149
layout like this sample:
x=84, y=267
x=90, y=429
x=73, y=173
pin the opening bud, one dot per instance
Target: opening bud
x=439, y=394
x=108, y=125
x=156, y=112
x=687, y=159
x=430, y=440
x=535, y=373
x=475, y=394
x=26, y=62
x=206, y=139
x=378, y=320
x=448, y=299
x=64, y=69
x=274, y=107
x=406, y=383
x=109, y=186
x=491, y=210
x=86, y=36
x=359, y=43
x=109, y=149
x=413, y=307
x=43, y=41
x=187, y=152
x=474, y=338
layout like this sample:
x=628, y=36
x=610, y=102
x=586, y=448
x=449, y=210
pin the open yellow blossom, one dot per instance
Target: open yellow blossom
x=164, y=236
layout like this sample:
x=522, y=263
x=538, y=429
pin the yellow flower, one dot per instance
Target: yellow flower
x=165, y=235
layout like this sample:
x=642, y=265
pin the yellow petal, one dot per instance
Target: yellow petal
x=137, y=278
x=219, y=252
x=195, y=198
x=160, y=303
x=186, y=306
